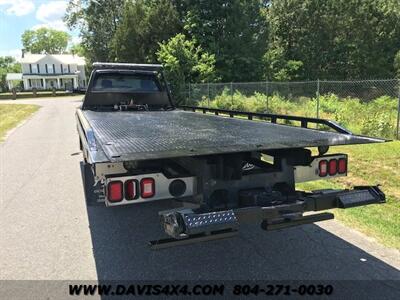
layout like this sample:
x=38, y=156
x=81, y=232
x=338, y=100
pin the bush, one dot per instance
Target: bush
x=376, y=118
x=237, y=101
x=380, y=117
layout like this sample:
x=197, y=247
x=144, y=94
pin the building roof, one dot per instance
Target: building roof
x=14, y=76
x=62, y=58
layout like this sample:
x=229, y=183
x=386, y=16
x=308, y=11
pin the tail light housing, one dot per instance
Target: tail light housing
x=115, y=191
x=342, y=165
x=131, y=189
x=147, y=187
x=333, y=167
x=323, y=168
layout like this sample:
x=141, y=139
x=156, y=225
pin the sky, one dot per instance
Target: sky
x=16, y=16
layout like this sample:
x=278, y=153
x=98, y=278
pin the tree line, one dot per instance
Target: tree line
x=242, y=40
x=245, y=40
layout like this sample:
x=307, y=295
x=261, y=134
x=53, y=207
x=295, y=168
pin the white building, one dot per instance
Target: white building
x=48, y=71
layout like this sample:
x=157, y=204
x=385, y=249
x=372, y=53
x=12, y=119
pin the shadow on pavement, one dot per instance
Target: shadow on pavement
x=120, y=236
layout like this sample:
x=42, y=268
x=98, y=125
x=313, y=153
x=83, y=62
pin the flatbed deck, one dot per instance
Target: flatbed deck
x=137, y=135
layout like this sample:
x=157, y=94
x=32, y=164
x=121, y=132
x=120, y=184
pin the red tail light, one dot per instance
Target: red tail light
x=333, y=167
x=342, y=166
x=114, y=192
x=131, y=189
x=323, y=168
x=147, y=187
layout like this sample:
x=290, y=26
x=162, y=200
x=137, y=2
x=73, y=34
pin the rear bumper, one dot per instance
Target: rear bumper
x=187, y=224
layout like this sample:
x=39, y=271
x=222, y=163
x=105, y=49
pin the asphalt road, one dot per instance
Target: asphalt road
x=47, y=231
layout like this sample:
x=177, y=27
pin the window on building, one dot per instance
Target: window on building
x=34, y=68
x=36, y=83
x=50, y=69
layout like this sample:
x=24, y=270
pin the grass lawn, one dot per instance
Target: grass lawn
x=370, y=164
x=12, y=114
x=29, y=94
x=38, y=92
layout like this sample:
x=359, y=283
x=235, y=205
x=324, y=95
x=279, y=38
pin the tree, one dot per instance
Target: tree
x=250, y=39
x=185, y=62
x=144, y=24
x=7, y=65
x=45, y=40
x=278, y=67
x=234, y=30
x=130, y=30
x=97, y=22
x=77, y=49
x=337, y=39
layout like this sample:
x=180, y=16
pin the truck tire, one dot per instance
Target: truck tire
x=92, y=195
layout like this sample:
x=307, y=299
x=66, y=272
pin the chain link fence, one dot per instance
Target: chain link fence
x=370, y=107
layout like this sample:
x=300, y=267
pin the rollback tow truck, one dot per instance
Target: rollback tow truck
x=221, y=167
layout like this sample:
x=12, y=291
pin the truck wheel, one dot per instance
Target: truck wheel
x=92, y=195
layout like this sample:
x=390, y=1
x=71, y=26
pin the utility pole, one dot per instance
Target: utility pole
x=208, y=90
x=398, y=112
x=266, y=94
x=232, y=93
x=190, y=98
x=317, y=98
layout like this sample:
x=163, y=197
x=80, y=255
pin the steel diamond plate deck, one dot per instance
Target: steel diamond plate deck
x=163, y=134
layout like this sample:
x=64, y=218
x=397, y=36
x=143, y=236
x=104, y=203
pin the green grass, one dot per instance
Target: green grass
x=12, y=114
x=377, y=117
x=39, y=94
x=370, y=164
